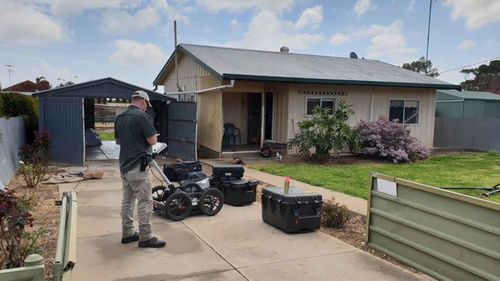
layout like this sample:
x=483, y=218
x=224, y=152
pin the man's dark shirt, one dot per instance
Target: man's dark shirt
x=132, y=128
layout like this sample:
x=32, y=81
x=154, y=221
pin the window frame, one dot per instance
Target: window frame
x=404, y=110
x=320, y=103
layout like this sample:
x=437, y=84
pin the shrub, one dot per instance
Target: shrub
x=389, y=140
x=15, y=104
x=325, y=132
x=16, y=243
x=334, y=215
x=35, y=159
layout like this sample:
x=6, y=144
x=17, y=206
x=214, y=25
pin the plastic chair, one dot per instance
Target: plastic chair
x=231, y=135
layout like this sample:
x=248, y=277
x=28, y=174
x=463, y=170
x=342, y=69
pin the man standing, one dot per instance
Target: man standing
x=135, y=134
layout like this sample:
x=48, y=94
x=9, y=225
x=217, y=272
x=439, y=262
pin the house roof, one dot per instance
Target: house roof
x=28, y=86
x=101, y=88
x=469, y=95
x=242, y=64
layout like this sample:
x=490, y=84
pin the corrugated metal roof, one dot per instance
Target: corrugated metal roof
x=105, y=87
x=230, y=63
x=472, y=95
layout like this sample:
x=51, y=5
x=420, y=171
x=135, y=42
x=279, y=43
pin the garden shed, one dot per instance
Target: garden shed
x=66, y=112
x=476, y=104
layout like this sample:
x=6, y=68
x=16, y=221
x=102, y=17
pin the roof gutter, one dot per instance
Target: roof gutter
x=230, y=85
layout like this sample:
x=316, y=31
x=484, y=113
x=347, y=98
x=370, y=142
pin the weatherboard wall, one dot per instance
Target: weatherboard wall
x=361, y=99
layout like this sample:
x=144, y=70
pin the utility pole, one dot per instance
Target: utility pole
x=10, y=70
x=428, y=31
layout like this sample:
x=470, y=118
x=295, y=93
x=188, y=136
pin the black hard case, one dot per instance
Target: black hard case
x=296, y=211
x=227, y=172
x=177, y=171
x=236, y=192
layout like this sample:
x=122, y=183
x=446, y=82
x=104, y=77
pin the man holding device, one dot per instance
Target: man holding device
x=135, y=134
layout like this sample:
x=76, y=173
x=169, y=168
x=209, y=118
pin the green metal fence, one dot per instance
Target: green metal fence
x=447, y=235
x=66, y=241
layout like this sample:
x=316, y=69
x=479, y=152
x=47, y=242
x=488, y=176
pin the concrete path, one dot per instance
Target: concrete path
x=354, y=204
x=233, y=245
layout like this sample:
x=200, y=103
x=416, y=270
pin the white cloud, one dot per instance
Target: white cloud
x=121, y=22
x=267, y=31
x=25, y=24
x=387, y=41
x=475, y=12
x=339, y=39
x=241, y=5
x=310, y=17
x=361, y=7
x=466, y=45
x=74, y=7
x=235, y=24
x=411, y=6
x=132, y=52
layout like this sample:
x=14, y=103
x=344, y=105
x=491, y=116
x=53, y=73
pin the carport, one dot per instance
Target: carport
x=66, y=112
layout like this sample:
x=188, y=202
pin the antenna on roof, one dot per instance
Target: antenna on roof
x=284, y=49
x=176, y=68
x=353, y=55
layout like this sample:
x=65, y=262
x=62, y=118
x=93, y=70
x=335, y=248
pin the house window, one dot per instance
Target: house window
x=312, y=103
x=404, y=111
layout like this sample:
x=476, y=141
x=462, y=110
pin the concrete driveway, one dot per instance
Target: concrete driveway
x=233, y=245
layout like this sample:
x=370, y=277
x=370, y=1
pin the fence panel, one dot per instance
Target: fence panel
x=447, y=235
x=467, y=133
x=12, y=137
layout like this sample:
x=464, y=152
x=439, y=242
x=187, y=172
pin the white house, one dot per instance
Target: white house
x=273, y=91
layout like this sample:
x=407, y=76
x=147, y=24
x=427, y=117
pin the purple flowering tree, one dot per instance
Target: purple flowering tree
x=389, y=140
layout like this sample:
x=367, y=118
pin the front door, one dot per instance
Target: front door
x=254, y=118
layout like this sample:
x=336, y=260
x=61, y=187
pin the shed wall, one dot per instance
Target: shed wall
x=64, y=119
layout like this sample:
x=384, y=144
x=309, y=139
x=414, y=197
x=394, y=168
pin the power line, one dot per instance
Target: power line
x=469, y=65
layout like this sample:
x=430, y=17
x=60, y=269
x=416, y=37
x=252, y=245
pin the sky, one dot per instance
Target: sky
x=78, y=41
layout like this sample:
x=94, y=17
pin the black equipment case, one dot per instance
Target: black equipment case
x=236, y=192
x=176, y=171
x=227, y=172
x=296, y=211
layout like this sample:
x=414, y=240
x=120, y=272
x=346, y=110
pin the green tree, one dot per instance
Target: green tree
x=326, y=132
x=422, y=66
x=486, y=78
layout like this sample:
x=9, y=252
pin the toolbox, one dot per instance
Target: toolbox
x=176, y=171
x=295, y=211
x=236, y=192
x=227, y=172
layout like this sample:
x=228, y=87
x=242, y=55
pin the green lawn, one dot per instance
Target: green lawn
x=471, y=169
x=106, y=136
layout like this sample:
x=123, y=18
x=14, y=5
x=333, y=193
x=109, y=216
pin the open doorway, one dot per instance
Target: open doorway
x=268, y=117
x=254, y=118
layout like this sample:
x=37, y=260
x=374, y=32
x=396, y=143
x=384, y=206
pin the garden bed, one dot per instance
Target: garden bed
x=45, y=215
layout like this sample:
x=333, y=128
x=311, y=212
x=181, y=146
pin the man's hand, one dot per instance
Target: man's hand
x=152, y=140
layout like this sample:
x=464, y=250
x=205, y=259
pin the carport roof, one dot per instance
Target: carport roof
x=242, y=64
x=101, y=88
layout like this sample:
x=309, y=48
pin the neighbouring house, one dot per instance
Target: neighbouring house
x=452, y=103
x=28, y=87
x=269, y=93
